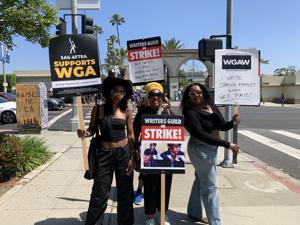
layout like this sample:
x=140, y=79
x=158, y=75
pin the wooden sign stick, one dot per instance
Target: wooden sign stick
x=83, y=140
x=162, y=198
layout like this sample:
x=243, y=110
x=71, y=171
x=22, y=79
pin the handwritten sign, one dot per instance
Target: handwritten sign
x=237, y=79
x=145, y=57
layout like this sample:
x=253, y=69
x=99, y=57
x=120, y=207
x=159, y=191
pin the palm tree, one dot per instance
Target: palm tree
x=117, y=20
x=172, y=44
x=264, y=61
x=121, y=61
x=98, y=30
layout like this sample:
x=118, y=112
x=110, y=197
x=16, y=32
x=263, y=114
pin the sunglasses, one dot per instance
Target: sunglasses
x=155, y=94
x=195, y=93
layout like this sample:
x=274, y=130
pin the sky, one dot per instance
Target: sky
x=271, y=26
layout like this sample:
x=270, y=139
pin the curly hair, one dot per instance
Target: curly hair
x=185, y=102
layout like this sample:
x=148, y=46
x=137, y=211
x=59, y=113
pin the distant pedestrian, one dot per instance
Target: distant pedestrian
x=283, y=99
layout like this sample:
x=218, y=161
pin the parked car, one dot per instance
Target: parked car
x=55, y=103
x=8, y=96
x=7, y=111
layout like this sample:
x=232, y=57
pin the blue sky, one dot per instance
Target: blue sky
x=271, y=26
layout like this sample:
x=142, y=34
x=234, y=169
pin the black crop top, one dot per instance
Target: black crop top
x=201, y=124
x=112, y=129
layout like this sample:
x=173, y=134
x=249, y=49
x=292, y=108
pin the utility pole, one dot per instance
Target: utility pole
x=4, y=78
x=75, y=118
x=227, y=162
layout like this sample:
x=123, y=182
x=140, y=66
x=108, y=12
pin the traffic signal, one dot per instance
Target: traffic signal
x=207, y=47
x=87, y=25
x=61, y=27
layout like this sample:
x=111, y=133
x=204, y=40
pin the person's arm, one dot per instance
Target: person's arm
x=130, y=137
x=225, y=126
x=193, y=125
x=137, y=126
x=90, y=131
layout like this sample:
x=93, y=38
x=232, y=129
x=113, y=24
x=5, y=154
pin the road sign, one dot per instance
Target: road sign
x=81, y=4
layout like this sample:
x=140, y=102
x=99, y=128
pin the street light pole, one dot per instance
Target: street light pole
x=75, y=118
x=227, y=162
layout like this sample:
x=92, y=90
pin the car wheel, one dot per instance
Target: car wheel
x=8, y=117
x=50, y=106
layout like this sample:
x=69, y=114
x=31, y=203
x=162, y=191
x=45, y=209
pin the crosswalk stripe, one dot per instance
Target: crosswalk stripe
x=272, y=143
x=286, y=133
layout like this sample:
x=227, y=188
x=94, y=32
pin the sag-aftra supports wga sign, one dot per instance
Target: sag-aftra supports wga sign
x=74, y=65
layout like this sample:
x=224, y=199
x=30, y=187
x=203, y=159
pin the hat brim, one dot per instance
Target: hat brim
x=110, y=82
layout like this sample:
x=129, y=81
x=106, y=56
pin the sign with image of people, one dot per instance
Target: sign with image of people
x=163, y=145
x=145, y=57
x=74, y=65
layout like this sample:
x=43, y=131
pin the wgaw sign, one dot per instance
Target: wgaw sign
x=237, y=79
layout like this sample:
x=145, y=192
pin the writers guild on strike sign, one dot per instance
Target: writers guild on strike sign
x=163, y=144
x=145, y=57
x=74, y=65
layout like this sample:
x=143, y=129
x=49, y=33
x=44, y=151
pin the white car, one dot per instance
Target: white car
x=7, y=111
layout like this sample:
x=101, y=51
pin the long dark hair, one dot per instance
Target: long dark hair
x=108, y=106
x=185, y=102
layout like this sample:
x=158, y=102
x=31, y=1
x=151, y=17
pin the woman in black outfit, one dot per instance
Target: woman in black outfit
x=152, y=184
x=203, y=120
x=115, y=153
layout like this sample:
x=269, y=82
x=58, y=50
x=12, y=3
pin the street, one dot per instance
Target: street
x=271, y=134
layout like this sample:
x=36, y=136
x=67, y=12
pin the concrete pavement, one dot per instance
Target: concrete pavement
x=57, y=193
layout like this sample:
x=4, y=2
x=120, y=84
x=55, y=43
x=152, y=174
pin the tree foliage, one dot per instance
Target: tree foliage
x=31, y=19
x=290, y=70
x=172, y=44
x=117, y=20
x=11, y=81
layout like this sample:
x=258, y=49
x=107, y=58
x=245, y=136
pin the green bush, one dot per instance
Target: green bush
x=11, y=157
x=35, y=152
x=20, y=155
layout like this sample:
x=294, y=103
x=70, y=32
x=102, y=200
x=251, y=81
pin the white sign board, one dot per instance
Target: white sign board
x=237, y=78
x=81, y=4
x=145, y=57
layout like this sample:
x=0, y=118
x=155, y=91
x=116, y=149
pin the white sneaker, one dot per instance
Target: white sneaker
x=150, y=221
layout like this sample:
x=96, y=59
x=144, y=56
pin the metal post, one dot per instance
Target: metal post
x=227, y=162
x=75, y=118
x=4, y=78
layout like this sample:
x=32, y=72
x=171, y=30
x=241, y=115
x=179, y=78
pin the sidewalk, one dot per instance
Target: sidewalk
x=57, y=194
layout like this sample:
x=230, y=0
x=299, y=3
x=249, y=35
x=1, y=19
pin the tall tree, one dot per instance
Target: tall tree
x=172, y=44
x=31, y=19
x=117, y=20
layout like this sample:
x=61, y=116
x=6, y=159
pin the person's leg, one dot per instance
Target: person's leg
x=195, y=207
x=203, y=158
x=138, y=196
x=103, y=174
x=151, y=188
x=168, y=191
x=124, y=187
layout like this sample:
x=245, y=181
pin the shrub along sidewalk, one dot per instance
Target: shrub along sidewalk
x=18, y=156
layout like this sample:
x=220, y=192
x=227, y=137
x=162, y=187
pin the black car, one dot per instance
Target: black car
x=55, y=103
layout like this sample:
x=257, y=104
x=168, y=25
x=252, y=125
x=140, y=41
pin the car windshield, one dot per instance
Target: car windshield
x=2, y=100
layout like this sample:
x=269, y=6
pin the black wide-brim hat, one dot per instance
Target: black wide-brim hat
x=110, y=82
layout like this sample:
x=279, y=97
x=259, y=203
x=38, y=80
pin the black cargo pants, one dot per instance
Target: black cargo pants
x=107, y=162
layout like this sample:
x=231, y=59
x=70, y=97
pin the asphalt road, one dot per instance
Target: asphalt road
x=276, y=151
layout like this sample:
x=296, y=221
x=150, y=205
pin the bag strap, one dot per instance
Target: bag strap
x=97, y=120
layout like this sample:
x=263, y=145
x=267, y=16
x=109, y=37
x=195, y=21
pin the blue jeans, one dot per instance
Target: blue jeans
x=203, y=157
x=195, y=205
